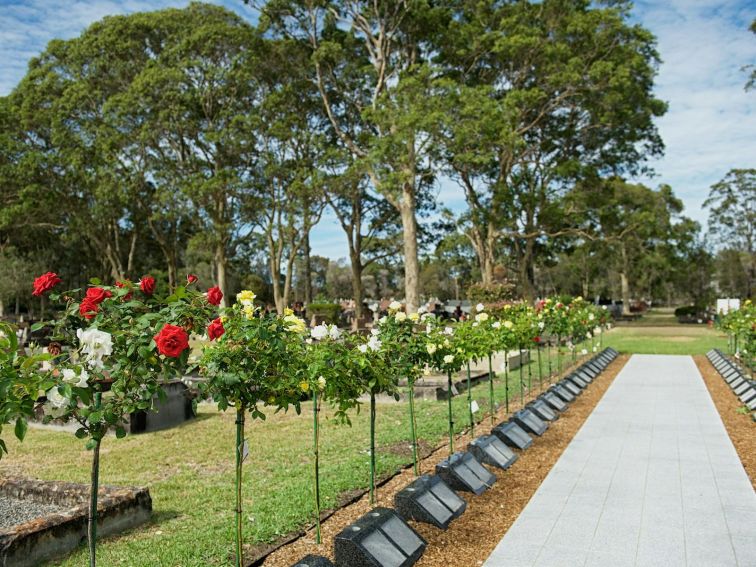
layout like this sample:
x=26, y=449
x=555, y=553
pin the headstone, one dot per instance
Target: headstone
x=582, y=374
x=731, y=375
x=313, y=561
x=752, y=403
x=554, y=401
x=542, y=410
x=513, y=435
x=570, y=387
x=429, y=499
x=462, y=471
x=380, y=538
x=530, y=422
x=739, y=382
x=490, y=450
x=590, y=370
x=563, y=393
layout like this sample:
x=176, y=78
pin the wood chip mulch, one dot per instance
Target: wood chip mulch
x=471, y=538
x=740, y=426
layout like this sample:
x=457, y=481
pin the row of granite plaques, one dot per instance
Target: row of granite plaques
x=743, y=387
x=383, y=538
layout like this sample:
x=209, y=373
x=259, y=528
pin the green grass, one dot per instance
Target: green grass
x=677, y=339
x=189, y=471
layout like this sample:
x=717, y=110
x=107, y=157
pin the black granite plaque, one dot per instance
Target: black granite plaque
x=591, y=370
x=570, y=387
x=380, y=538
x=462, y=471
x=752, y=403
x=747, y=392
x=430, y=500
x=578, y=381
x=490, y=450
x=739, y=382
x=587, y=378
x=313, y=561
x=542, y=410
x=563, y=393
x=732, y=374
x=530, y=422
x=513, y=435
x=554, y=401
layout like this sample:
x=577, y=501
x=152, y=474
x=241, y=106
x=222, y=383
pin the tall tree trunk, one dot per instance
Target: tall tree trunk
x=221, y=268
x=625, y=282
x=526, y=270
x=356, y=263
x=307, y=270
x=411, y=261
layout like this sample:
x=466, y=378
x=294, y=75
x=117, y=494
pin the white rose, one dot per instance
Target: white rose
x=395, y=306
x=480, y=317
x=374, y=343
x=362, y=348
x=95, y=345
x=507, y=324
x=56, y=399
x=496, y=325
x=588, y=335
x=431, y=348
x=319, y=333
x=401, y=316
x=591, y=316
x=480, y=307
x=449, y=358
x=584, y=351
x=334, y=332
x=475, y=324
x=321, y=383
x=382, y=320
x=375, y=332
x=541, y=325
x=448, y=331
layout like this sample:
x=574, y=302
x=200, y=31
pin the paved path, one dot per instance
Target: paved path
x=650, y=479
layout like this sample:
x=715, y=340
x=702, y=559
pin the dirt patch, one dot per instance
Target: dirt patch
x=404, y=449
x=740, y=426
x=471, y=538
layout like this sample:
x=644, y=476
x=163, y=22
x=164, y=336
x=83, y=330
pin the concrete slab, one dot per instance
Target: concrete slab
x=651, y=478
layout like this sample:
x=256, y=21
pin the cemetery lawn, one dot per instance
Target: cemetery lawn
x=666, y=339
x=189, y=471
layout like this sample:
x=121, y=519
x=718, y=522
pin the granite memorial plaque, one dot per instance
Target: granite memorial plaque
x=313, y=561
x=380, y=538
x=513, y=435
x=542, y=410
x=578, y=381
x=554, y=401
x=462, y=471
x=429, y=499
x=570, y=387
x=530, y=422
x=490, y=450
x=562, y=393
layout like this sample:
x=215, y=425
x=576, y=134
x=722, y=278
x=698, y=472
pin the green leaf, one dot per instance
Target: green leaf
x=120, y=432
x=81, y=433
x=21, y=428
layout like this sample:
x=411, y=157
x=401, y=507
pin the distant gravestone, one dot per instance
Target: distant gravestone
x=462, y=471
x=513, y=435
x=380, y=538
x=530, y=422
x=491, y=450
x=430, y=500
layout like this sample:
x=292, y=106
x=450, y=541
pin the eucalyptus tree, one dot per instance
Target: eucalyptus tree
x=539, y=94
x=373, y=71
x=732, y=218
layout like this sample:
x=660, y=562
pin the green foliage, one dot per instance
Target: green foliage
x=490, y=293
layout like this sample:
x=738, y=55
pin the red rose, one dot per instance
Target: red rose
x=147, y=285
x=45, y=283
x=126, y=284
x=191, y=278
x=214, y=295
x=172, y=341
x=98, y=295
x=536, y=339
x=215, y=329
x=88, y=308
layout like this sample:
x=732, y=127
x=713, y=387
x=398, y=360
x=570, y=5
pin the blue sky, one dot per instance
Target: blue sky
x=710, y=126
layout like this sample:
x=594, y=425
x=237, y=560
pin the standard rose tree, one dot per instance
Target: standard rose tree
x=253, y=364
x=124, y=341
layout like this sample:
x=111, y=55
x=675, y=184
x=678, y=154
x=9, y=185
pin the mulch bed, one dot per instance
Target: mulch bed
x=471, y=538
x=740, y=426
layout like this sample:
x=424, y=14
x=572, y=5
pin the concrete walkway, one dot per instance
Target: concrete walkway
x=650, y=479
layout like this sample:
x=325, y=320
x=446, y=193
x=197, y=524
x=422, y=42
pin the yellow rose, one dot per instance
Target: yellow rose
x=245, y=296
x=304, y=386
x=414, y=317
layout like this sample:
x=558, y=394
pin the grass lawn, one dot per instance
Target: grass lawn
x=189, y=469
